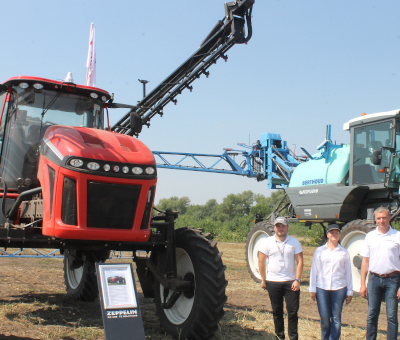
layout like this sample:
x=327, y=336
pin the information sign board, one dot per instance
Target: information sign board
x=122, y=318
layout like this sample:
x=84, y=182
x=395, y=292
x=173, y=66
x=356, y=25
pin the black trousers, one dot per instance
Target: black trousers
x=277, y=291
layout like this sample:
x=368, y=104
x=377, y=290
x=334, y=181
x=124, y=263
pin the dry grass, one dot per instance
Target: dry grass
x=33, y=305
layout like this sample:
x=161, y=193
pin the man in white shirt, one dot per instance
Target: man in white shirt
x=282, y=279
x=381, y=252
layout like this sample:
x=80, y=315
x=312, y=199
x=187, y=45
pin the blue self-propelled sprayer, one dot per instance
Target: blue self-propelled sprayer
x=341, y=183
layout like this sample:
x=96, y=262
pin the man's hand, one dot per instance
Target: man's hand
x=313, y=296
x=348, y=299
x=364, y=292
x=295, y=286
x=264, y=284
x=364, y=272
x=398, y=294
x=261, y=267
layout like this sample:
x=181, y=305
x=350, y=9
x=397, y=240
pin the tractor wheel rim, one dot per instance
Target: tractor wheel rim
x=180, y=311
x=75, y=277
x=353, y=242
x=256, y=240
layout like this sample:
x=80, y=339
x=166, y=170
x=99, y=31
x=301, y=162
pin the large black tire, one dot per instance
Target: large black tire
x=195, y=315
x=80, y=274
x=352, y=238
x=255, y=238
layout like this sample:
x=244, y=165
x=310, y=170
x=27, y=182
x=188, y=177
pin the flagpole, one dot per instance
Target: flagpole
x=91, y=59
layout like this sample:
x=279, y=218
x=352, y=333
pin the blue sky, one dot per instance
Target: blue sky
x=309, y=64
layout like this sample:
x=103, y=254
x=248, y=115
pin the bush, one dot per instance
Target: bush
x=235, y=230
x=312, y=236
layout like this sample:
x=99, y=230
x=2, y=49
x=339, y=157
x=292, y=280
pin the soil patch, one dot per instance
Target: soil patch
x=34, y=305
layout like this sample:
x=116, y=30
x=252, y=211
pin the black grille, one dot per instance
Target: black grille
x=68, y=209
x=111, y=205
x=147, y=210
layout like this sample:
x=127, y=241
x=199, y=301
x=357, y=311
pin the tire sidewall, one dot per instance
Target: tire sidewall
x=260, y=227
x=188, y=240
x=87, y=289
x=357, y=225
x=350, y=230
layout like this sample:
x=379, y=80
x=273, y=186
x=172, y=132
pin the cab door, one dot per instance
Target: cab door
x=365, y=140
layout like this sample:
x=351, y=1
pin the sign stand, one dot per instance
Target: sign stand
x=122, y=318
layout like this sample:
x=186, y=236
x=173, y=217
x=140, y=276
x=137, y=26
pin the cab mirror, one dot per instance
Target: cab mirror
x=377, y=157
x=136, y=122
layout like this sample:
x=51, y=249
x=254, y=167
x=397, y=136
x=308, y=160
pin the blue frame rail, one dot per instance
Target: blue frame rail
x=55, y=254
x=36, y=253
x=269, y=159
x=226, y=157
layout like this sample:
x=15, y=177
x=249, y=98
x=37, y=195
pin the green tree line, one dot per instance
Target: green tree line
x=229, y=221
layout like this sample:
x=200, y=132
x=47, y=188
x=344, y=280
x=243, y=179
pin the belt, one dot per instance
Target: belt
x=386, y=275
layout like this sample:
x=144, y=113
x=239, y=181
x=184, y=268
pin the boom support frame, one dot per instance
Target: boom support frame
x=225, y=34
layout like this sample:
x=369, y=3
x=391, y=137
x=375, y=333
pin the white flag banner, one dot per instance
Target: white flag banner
x=91, y=59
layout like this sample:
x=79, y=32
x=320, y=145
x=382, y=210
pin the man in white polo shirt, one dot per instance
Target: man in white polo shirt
x=282, y=279
x=381, y=252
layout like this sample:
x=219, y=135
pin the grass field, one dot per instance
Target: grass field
x=33, y=305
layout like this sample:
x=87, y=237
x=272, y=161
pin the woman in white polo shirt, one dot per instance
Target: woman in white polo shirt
x=331, y=283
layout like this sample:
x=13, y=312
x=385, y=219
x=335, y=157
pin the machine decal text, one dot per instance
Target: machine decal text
x=311, y=191
x=313, y=181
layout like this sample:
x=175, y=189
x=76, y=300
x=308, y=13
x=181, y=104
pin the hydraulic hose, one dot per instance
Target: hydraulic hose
x=19, y=200
x=3, y=201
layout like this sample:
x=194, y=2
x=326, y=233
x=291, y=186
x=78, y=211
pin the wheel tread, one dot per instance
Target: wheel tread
x=205, y=248
x=208, y=313
x=213, y=300
x=221, y=272
x=222, y=290
x=209, y=263
x=209, y=299
x=218, y=257
x=195, y=335
x=209, y=278
x=221, y=305
x=87, y=289
x=214, y=243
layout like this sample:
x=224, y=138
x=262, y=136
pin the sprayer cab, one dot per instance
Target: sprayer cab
x=31, y=106
x=95, y=184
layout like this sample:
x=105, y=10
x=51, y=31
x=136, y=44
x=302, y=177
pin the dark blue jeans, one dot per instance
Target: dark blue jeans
x=330, y=304
x=380, y=288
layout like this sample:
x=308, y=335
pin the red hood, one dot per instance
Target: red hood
x=98, y=144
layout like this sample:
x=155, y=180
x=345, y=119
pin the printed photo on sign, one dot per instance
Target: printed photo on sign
x=118, y=288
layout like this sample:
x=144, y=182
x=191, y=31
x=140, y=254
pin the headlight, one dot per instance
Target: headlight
x=101, y=167
x=93, y=166
x=37, y=86
x=137, y=170
x=149, y=170
x=76, y=162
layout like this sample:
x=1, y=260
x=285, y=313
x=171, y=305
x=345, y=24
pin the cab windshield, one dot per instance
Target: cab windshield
x=50, y=108
x=367, y=139
x=29, y=114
